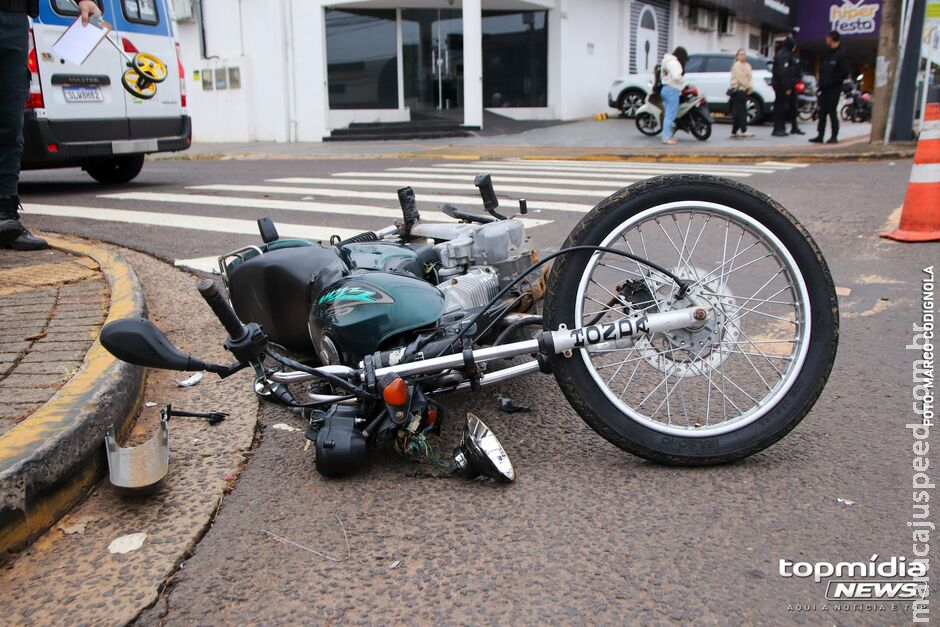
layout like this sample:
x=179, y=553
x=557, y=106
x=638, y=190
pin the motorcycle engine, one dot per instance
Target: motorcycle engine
x=362, y=312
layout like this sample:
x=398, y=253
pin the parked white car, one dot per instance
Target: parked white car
x=710, y=72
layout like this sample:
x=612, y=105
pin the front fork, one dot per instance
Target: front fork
x=560, y=341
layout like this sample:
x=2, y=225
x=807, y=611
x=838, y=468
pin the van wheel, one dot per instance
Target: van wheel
x=116, y=169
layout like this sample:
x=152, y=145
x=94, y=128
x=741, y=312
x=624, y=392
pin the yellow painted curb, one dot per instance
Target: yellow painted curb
x=23, y=515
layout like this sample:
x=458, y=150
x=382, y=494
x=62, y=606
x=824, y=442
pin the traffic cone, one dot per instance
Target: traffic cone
x=920, y=216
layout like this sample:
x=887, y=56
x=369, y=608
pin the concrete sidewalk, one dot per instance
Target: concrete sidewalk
x=73, y=573
x=59, y=388
x=52, y=305
x=610, y=139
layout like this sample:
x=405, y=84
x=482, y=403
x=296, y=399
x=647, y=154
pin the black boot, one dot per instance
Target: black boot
x=12, y=232
x=796, y=131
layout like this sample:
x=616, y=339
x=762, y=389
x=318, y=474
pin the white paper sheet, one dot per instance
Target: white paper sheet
x=78, y=41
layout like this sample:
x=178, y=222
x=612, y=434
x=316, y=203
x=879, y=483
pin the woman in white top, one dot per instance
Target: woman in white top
x=740, y=88
x=671, y=70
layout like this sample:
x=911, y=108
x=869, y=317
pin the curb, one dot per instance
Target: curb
x=52, y=459
x=740, y=158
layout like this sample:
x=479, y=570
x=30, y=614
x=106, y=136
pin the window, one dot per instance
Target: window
x=515, y=58
x=67, y=7
x=696, y=63
x=719, y=64
x=753, y=41
x=140, y=11
x=757, y=63
x=362, y=59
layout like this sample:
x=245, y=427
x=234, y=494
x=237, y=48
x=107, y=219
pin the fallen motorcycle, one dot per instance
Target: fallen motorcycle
x=687, y=319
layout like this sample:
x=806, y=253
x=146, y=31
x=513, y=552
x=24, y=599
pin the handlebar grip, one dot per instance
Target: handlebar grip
x=221, y=308
x=406, y=198
x=487, y=193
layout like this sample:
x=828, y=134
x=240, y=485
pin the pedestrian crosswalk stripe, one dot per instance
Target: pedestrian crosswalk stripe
x=533, y=177
x=753, y=168
x=548, y=169
x=415, y=178
x=463, y=187
x=782, y=165
x=205, y=264
x=429, y=216
x=337, y=209
x=182, y=221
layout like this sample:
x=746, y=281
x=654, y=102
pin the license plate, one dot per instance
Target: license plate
x=82, y=94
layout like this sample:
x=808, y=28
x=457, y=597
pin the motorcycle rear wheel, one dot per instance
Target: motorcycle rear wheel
x=700, y=127
x=726, y=390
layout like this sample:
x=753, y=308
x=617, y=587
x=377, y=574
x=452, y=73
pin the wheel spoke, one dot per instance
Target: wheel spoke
x=695, y=380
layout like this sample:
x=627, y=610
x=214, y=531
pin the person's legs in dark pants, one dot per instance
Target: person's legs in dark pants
x=780, y=115
x=834, y=116
x=740, y=111
x=793, y=110
x=14, y=88
x=828, y=103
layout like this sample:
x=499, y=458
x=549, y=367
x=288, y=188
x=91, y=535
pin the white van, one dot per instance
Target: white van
x=81, y=115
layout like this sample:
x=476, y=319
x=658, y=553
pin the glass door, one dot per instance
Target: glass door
x=432, y=56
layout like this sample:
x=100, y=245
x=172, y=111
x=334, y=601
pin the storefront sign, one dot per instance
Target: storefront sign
x=851, y=18
x=854, y=19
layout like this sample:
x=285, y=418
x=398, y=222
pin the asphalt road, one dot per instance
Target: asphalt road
x=587, y=534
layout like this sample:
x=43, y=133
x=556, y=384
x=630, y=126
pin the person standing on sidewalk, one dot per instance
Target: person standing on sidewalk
x=740, y=88
x=671, y=70
x=793, y=104
x=784, y=83
x=833, y=69
x=14, y=89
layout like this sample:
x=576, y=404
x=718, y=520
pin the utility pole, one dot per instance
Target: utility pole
x=886, y=67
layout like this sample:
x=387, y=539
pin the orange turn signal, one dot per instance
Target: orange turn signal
x=396, y=392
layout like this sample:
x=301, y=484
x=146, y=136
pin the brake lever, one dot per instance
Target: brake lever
x=459, y=214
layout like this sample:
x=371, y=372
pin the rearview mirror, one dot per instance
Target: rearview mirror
x=138, y=341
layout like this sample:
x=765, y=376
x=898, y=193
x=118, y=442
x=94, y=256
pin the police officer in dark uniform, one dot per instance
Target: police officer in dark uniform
x=833, y=69
x=14, y=89
x=785, y=75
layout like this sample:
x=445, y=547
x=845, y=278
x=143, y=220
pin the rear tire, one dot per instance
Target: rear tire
x=755, y=110
x=744, y=333
x=700, y=127
x=629, y=101
x=116, y=169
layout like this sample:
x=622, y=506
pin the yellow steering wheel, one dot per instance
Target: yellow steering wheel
x=138, y=85
x=150, y=66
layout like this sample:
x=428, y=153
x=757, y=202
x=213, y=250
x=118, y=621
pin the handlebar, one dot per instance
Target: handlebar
x=222, y=309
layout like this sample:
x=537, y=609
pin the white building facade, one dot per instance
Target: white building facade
x=298, y=70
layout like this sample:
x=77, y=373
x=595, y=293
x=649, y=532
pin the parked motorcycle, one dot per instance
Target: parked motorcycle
x=688, y=319
x=693, y=115
x=807, y=98
x=858, y=104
